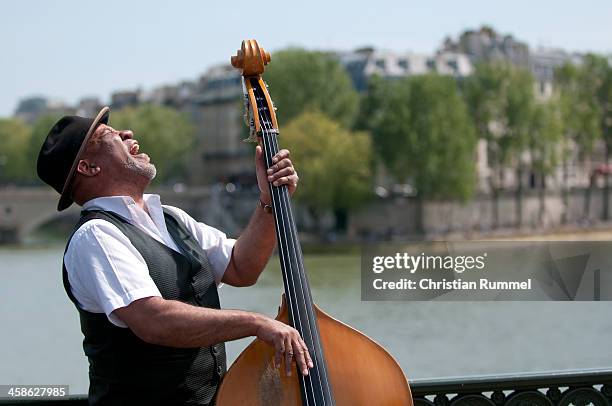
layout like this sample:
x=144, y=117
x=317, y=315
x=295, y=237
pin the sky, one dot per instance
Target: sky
x=68, y=49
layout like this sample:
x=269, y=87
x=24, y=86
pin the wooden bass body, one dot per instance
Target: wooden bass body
x=361, y=371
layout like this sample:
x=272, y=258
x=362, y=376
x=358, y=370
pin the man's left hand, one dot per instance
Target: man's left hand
x=280, y=173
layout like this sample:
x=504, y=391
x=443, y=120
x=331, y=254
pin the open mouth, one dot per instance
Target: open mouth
x=135, y=152
x=134, y=149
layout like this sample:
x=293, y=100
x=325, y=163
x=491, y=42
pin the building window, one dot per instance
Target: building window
x=403, y=63
x=380, y=63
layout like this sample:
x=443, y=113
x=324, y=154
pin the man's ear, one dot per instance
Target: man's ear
x=87, y=168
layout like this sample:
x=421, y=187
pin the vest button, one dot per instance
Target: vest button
x=215, y=350
x=219, y=370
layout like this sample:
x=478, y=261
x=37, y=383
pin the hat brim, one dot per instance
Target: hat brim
x=66, y=200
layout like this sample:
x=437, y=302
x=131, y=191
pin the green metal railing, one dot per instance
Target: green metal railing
x=564, y=388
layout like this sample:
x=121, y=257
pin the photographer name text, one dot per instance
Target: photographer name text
x=454, y=284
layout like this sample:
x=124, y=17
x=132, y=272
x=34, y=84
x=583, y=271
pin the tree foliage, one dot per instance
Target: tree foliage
x=598, y=69
x=375, y=102
x=386, y=113
x=303, y=80
x=500, y=99
x=422, y=132
x=15, y=165
x=580, y=110
x=165, y=134
x=545, y=135
x=334, y=164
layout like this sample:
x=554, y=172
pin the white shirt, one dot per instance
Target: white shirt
x=105, y=270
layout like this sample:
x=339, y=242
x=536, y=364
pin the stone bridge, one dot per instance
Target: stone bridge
x=24, y=209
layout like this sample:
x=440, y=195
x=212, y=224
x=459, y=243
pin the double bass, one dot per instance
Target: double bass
x=349, y=368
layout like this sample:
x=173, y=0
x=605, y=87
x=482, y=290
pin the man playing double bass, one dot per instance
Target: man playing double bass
x=144, y=276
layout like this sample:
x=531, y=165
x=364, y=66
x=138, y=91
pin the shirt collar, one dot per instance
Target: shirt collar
x=153, y=222
x=123, y=205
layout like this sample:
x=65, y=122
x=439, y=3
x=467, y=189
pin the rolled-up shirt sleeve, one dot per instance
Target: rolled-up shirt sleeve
x=214, y=242
x=105, y=270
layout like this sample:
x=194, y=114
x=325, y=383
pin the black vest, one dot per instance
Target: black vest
x=125, y=370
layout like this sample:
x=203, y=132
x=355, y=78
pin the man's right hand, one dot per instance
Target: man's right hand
x=286, y=341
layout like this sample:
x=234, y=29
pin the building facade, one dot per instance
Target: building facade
x=217, y=110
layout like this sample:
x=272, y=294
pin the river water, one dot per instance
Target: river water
x=41, y=340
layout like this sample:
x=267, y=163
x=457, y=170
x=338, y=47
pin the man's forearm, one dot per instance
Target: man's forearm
x=176, y=324
x=254, y=247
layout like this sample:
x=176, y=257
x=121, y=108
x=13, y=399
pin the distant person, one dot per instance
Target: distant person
x=144, y=276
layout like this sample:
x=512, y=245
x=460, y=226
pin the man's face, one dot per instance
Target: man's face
x=118, y=153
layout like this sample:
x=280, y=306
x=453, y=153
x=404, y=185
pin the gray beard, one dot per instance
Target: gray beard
x=146, y=170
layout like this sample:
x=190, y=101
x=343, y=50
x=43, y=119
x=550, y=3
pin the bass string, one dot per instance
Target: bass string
x=298, y=249
x=304, y=282
x=284, y=197
x=292, y=246
x=280, y=198
x=277, y=197
x=308, y=329
x=287, y=275
x=307, y=294
x=306, y=381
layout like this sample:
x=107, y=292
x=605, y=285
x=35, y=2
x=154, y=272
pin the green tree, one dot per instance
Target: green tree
x=334, y=165
x=600, y=72
x=580, y=115
x=544, y=144
x=374, y=102
x=386, y=113
x=501, y=99
x=14, y=143
x=165, y=134
x=597, y=74
x=303, y=80
x=441, y=140
x=422, y=132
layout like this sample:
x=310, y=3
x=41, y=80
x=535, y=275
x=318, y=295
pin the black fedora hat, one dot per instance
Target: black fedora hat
x=62, y=150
